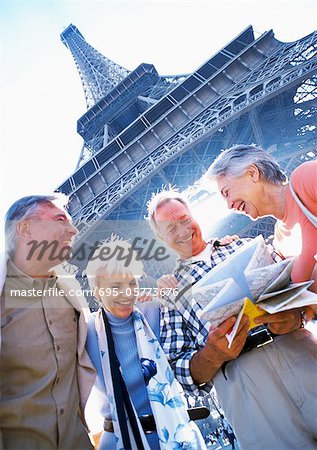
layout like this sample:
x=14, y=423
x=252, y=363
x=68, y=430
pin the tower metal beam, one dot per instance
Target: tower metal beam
x=98, y=73
x=253, y=90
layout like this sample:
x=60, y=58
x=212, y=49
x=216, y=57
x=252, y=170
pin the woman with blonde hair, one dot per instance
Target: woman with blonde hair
x=140, y=404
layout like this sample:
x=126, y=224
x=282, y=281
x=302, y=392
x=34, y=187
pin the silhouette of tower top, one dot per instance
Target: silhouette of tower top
x=115, y=97
x=98, y=74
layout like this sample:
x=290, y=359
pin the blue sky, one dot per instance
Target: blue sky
x=42, y=97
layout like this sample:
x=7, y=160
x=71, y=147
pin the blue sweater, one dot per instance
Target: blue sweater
x=127, y=354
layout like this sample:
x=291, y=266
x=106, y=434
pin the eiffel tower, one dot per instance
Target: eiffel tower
x=143, y=130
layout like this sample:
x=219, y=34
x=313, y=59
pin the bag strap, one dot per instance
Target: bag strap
x=121, y=395
x=310, y=216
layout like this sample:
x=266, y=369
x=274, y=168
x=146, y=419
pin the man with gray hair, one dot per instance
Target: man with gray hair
x=267, y=392
x=46, y=371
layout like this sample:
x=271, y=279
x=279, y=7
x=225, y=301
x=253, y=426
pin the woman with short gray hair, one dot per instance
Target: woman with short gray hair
x=235, y=161
x=252, y=183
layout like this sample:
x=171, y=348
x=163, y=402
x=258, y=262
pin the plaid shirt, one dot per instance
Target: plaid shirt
x=183, y=330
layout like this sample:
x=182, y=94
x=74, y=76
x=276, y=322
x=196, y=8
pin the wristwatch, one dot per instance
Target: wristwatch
x=303, y=318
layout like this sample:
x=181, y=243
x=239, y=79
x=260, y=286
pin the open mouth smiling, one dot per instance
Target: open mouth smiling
x=240, y=207
x=125, y=303
x=185, y=241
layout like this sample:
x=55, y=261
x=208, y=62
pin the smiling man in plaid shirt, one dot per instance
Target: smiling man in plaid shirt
x=267, y=393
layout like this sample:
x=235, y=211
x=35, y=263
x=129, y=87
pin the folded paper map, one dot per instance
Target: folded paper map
x=246, y=279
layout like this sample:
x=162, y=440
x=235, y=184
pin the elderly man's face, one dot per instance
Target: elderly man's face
x=243, y=194
x=178, y=229
x=51, y=223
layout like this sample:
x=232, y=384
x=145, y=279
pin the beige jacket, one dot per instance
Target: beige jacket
x=85, y=370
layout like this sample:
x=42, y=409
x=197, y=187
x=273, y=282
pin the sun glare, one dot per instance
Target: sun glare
x=208, y=210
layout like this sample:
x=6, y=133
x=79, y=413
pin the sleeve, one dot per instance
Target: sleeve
x=303, y=180
x=97, y=407
x=180, y=345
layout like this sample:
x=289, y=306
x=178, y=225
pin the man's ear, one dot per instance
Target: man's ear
x=254, y=173
x=156, y=233
x=23, y=230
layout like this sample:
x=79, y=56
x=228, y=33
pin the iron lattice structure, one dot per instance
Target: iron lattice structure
x=143, y=130
x=97, y=73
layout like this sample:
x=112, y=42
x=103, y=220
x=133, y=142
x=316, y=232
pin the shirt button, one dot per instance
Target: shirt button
x=57, y=380
x=74, y=319
x=58, y=347
x=50, y=322
x=61, y=411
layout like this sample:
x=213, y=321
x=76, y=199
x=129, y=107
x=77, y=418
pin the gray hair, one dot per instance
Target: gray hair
x=23, y=209
x=235, y=160
x=159, y=199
